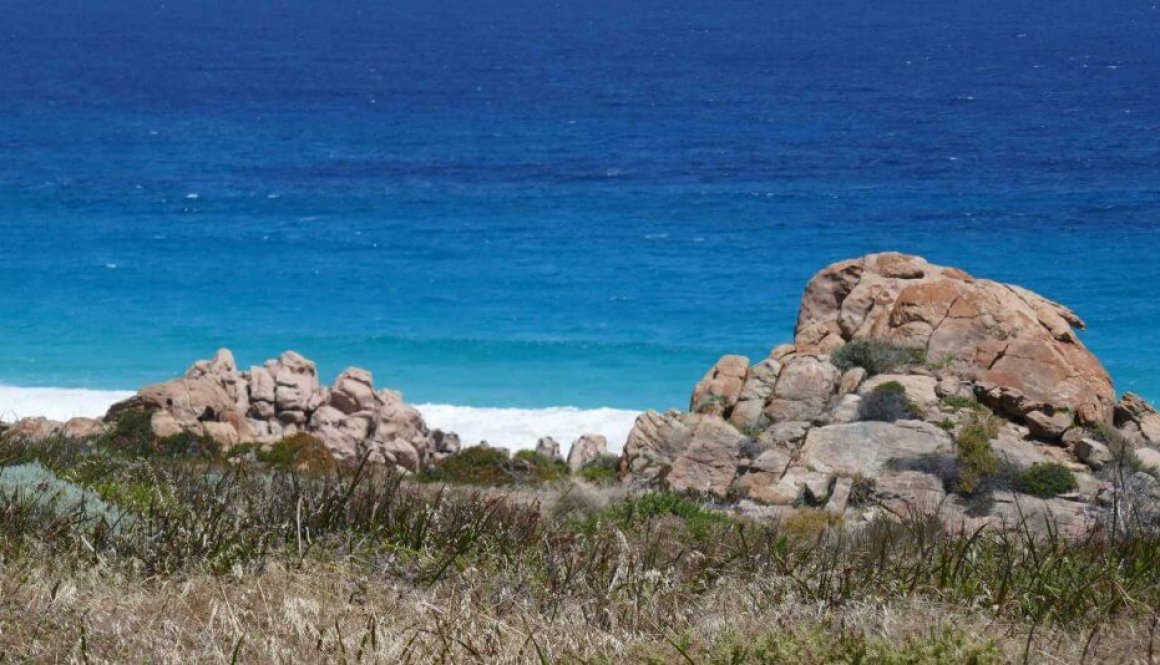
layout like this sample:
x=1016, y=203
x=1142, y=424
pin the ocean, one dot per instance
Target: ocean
x=541, y=218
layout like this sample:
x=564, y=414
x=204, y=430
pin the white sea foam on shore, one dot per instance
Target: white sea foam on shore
x=507, y=427
x=56, y=403
x=521, y=428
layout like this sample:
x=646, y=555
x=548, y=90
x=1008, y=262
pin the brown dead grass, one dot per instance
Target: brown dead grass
x=51, y=612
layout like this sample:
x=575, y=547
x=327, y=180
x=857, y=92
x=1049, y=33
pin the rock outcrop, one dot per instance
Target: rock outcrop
x=809, y=426
x=586, y=449
x=1019, y=347
x=284, y=397
x=40, y=428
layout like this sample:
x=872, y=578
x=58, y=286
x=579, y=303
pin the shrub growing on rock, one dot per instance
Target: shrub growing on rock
x=888, y=402
x=1045, y=480
x=976, y=460
x=874, y=357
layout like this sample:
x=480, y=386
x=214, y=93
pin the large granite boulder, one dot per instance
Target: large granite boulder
x=1002, y=336
x=653, y=444
x=709, y=463
x=870, y=448
x=804, y=388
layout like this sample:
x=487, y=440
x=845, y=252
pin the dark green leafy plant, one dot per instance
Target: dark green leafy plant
x=888, y=402
x=1045, y=480
x=874, y=357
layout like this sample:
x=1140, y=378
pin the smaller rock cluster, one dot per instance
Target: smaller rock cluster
x=585, y=449
x=283, y=397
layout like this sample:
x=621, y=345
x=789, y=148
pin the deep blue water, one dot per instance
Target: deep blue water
x=532, y=204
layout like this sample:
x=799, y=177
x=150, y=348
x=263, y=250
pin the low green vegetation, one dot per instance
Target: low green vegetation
x=976, y=461
x=601, y=471
x=958, y=402
x=132, y=434
x=1046, y=480
x=888, y=402
x=636, y=511
x=491, y=467
x=875, y=357
x=476, y=465
x=301, y=451
x=540, y=469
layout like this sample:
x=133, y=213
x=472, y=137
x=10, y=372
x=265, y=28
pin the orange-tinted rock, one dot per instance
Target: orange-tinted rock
x=718, y=392
x=998, y=334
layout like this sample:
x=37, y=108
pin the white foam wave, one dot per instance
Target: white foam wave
x=521, y=428
x=507, y=427
x=56, y=403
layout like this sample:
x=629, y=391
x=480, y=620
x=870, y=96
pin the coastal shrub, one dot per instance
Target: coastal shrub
x=888, y=402
x=958, y=402
x=601, y=471
x=637, y=510
x=298, y=452
x=132, y=434
x=1045, y=480
x=873, y=356
x=976, y=460
x=475, y=465
x=532, y=467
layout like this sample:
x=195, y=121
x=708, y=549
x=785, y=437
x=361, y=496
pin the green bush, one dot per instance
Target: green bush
x=639, y=509
x=538, y=468
x=957, y=402
x=874, y=357
x=475, y=465
x=298, y=452
x=976, y=460
x=132, y=434
x=491, y=467
x=601, y=471
x=1045, y=480
x=888, y=402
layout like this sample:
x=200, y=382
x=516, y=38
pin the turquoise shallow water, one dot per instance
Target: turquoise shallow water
x=509, y=205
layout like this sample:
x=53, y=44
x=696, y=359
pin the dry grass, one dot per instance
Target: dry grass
x=227, y=563
x=54, y=612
